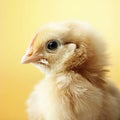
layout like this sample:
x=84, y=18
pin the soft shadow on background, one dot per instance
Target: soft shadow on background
x=20, y=19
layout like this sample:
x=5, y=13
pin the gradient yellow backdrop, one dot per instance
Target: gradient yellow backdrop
x=20, y=19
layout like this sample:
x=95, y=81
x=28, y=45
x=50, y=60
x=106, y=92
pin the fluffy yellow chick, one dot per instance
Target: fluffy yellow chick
x=73, y=58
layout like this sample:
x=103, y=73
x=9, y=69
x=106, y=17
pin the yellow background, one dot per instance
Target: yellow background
x=20, y=19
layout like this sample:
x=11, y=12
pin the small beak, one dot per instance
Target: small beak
x=27, y=58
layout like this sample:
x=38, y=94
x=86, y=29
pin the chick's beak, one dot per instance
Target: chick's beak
x=29, y=57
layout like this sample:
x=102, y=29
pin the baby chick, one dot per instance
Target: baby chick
x=73, y=58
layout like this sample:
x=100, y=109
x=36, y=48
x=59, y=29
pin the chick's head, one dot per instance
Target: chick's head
x=65, y=46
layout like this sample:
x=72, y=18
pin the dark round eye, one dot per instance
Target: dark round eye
x=52, y=45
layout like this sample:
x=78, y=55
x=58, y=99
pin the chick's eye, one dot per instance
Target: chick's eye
x=53, y=45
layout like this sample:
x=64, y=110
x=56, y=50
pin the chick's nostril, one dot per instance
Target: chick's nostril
x=30, y=54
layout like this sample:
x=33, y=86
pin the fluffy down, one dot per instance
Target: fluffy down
x=72, y=56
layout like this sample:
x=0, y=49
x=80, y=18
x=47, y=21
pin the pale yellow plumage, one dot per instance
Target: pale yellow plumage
x=73, y=58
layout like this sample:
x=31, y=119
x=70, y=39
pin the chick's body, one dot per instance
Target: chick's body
x=75, y=87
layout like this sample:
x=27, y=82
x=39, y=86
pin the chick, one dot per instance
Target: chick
x=73, y=58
